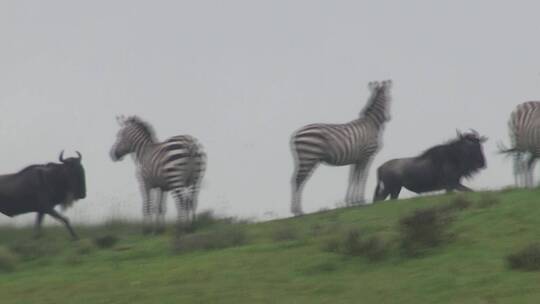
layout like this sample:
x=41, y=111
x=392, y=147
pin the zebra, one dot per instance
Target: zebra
x=354, y=143
x=177, y=165
x=524, y=129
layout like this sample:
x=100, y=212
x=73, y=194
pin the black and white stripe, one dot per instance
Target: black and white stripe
x=524, y=127
x=354, y=143
x=175, y=165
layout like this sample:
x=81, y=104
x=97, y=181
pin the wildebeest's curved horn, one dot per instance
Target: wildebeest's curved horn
x=473, y=131
x=61, y=157
x=79, y=155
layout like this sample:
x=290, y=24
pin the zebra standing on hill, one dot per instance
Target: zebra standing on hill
x=524, y=128
x=176, y=165
x=354, y=143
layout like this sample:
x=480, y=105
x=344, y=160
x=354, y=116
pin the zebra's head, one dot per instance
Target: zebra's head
x=378, y=106
x=133, y=134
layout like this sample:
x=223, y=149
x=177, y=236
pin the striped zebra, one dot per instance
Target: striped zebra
x=177, y=165
x=524, y=129
x=354, y=143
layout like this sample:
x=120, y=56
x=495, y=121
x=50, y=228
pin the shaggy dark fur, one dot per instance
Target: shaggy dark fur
x=438, y=168
x=39, y=188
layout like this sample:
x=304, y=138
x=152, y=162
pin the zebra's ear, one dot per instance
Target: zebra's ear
x=372, y=85
x=387, y=83
x=120, y=119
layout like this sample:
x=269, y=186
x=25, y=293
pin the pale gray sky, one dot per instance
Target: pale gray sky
x=243, y=75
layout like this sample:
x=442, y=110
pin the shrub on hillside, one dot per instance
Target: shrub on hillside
x=228, y=236
x=458, y=203
x=8, y=260
x=373, y=248
x=285, y=233
x=527, y=259
x=84, y=246
x=488, y=200
x=33, y=249
x=106, y=241
x=423, y=229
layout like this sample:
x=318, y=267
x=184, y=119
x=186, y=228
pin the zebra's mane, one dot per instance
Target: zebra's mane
x=142, y=125
x=378, y=89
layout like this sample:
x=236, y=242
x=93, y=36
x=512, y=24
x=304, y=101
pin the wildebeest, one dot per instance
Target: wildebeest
x=39, y=188
x=438, y=168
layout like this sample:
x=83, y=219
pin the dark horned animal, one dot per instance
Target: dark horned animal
x=39, y=188
x=439, y=168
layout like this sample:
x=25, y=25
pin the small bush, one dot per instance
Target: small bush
x=285, y=233
x=331, y=245
x=231, y=236
x=321, y=268
x=73, y=259
x=33, y=249
x=373, y=248
x=352, y=244
x=488, y=200
x=423, y=229
x=84, y=246
x=8, y=260
x=527, y=259
x=459, y=203
x=104, y=242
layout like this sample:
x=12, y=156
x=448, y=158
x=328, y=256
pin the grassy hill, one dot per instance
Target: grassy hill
x=297, y=260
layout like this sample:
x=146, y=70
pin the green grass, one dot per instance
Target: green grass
x=276, y=265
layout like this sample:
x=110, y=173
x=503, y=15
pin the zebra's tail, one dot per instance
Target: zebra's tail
x=378, y=189
x=505, y=150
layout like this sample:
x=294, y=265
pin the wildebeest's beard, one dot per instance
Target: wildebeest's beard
x=466, y=152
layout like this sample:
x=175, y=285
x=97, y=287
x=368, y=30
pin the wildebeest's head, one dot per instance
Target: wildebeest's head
x=463, y=156
x=133, y=132
x=75, y=173
x=468, y=148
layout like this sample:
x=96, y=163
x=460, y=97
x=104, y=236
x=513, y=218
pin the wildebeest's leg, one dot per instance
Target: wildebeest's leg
x=64, y=220
x=394, y=193
x=461, y=187
x=37, y=227
x=161, y=203
x=301, y=173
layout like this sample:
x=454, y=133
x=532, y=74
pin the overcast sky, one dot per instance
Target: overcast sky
x=241, y=76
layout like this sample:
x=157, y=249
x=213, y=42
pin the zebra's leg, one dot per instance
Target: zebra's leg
x=301, y=173
x=147, y=207
x=530, y=170
x=362, y=180
x=352, y=188
x=357, y=183
x=161, y=204
x=182, y=208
